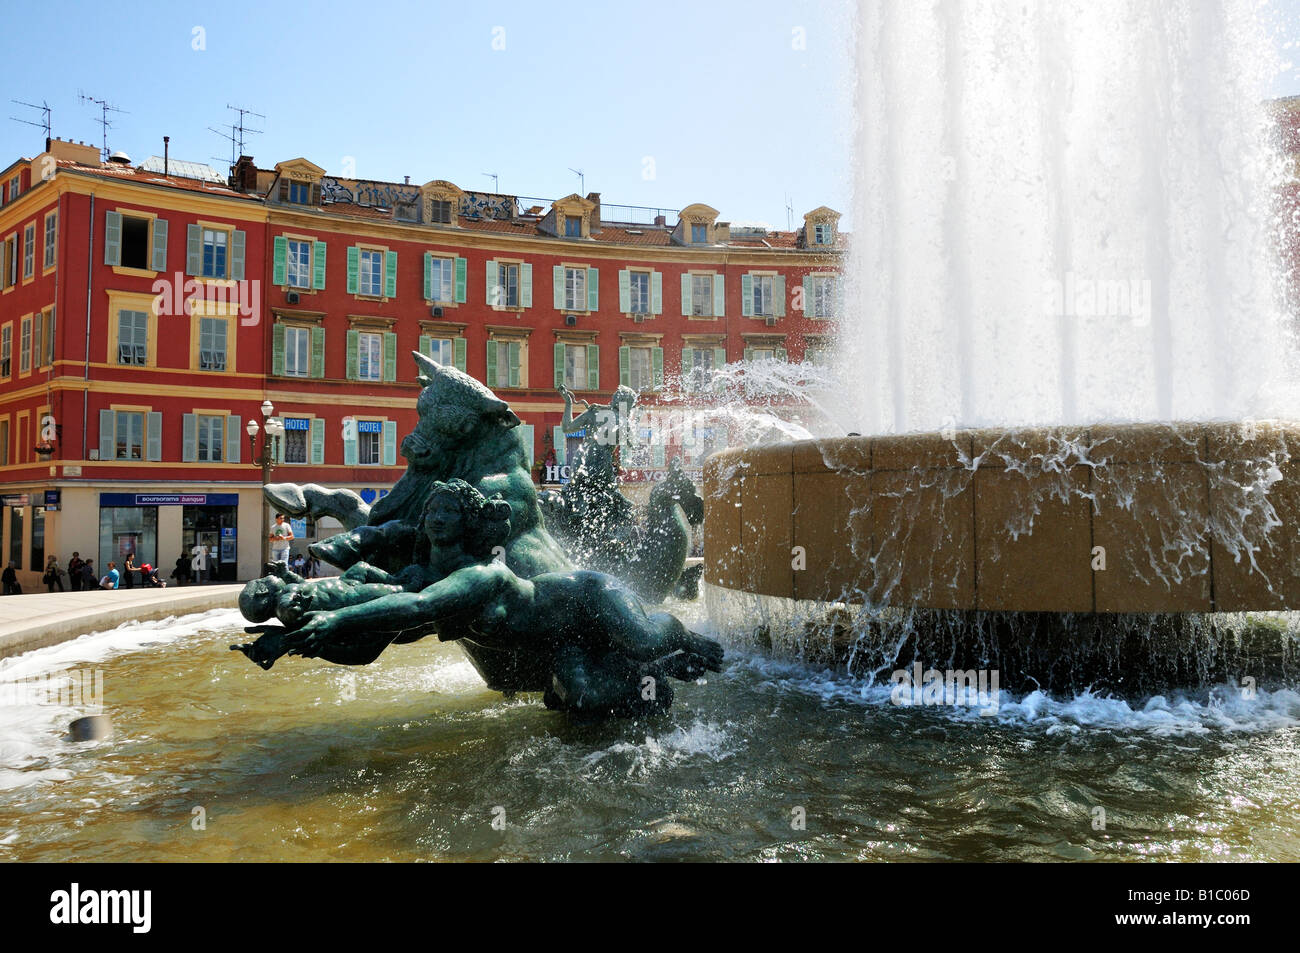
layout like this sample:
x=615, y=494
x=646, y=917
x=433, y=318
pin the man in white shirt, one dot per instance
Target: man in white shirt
x=281, y=536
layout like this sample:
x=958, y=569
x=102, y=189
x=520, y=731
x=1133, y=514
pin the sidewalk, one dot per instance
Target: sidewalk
x=40, y=619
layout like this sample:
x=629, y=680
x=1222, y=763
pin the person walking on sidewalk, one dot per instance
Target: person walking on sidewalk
x=74, y=571
x=53, y=574
x=281, y=536
x=88, y=580
x=128, y=572
x=10, y=580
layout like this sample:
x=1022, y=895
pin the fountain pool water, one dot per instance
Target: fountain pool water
x=409, y=759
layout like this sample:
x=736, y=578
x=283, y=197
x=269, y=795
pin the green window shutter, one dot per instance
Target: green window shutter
x=688, y=360
x=112, y=238
x=719, y=356
x=781, y=354
x=350, y=442
x=657, y=365
x=159, y=244
x=557, y=286
x=277, y=349
x=390, y=443
x=106, y=435
x=318, y=440
x=318, y=352
x=686, y=294
x=513, y=351
x=279, y=261
x=558, y=439
x=390, y=356
x=719, y=297
x=461, y=271
x=424, y=345
x=779, y=285
x=153, y=435
x=526, y=441
x=354, y=267
x=237, y=239
x=318, y=252
x=354, y=340
x=559, y=365
x=749, y=353
x=428, y=277
x=624, y=359
x=593, y=367
x=458, y=353
x=593, y=289
x=656, y=293
x=189, y=438
x=491, y=363
x=526, y=285
x=491, y=277
x=747, y=296
x=658, y=450
x=193, y=250
x=390, y=274
x=233, y=437
x=807, y=293
x=624, y=291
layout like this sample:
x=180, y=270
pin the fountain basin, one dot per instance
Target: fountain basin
x=1195, y=517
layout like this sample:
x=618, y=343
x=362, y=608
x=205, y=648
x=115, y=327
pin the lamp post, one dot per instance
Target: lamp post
x=266, y=460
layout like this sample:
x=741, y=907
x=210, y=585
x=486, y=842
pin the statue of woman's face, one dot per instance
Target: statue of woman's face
x=443, y=521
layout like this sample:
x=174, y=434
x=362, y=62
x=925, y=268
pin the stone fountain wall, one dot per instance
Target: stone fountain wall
x=1185, y=518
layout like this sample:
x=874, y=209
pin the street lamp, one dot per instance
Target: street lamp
x=266, y=460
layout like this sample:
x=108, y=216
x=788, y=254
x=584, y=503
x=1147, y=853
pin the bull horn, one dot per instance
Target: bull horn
x=429, y=368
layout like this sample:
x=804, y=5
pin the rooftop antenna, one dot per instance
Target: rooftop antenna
x=582, y=180
x=789, y=214
x=238, y=132
x=44, y=107
x=105, y=108
x=493, y=176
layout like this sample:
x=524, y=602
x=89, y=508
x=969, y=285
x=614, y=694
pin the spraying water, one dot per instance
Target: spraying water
x=1066, y=212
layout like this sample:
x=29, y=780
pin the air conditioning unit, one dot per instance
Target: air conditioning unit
x=571, y=320
x=638, y=319
x=292, y=297
x=437, y=311
x=770, y=322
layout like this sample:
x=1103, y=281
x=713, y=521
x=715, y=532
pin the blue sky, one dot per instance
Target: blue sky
x=737, y=103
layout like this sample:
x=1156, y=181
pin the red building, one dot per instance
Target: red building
x=147, y=313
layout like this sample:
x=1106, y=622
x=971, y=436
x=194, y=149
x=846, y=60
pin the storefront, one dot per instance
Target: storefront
x=128, y=525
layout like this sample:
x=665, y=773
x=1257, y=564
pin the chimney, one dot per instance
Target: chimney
x=166, y=148
x=661, y=221
x=594, y=198
x=243, y=177
x=406, y=179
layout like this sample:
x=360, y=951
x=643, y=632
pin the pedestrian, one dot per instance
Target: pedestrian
x=74, y=571
x=313, y=566
x=281, y=536
x=88, y=580
x=53, y=574
x=128, y=571
x=199, y=564
x=10, y=579
x=183, y=573
x=111, y=578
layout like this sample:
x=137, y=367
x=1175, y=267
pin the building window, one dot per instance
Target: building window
x=572, y=227
x=298, y=263
x=16, y=536
x=4, y=442
x=698, y=364
x=370, y=277
x=297, y=352
x=702, y=296
x=128, y=435
x=212, y=344
x=817, y=356
x=370, y=441
x=15, y=184
x=6, y=350
x=443, y=278
x=507, y=287
x=764, y=295
x=38, y=322
x=215, y=246
x=25, y=346
x=575, y=366
x=212, y=437
x=638, y=292
x=442, y=350
x=370, y=356
x=29, y=250
x=575, y=289
x=10, y=264
x=640, y=368
x=51, y=230
x=48, y=357
x=297, y=436
x=822, y=234
x=760, y=354
x=299, y=193
x=699, y=234
x=821, y=289
x=132, y=337
x=440, y=211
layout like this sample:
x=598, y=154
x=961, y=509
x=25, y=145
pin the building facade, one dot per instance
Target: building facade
x=146, y=315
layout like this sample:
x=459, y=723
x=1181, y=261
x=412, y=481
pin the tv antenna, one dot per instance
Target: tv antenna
x=789, y=214
x=238, y=132
x=44, y=107
x=582, y=180
x=105, y=107
x=495, y=186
